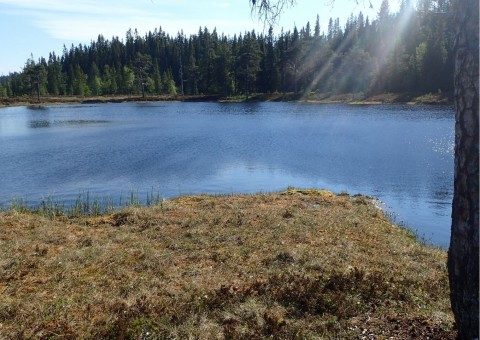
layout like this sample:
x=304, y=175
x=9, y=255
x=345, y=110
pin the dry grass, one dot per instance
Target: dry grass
x=298, y=264
x=327, y=97
x=52, y=100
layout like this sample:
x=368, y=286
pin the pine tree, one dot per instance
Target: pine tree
x=109, y=81
x=128, y=81
x=94, y=80
x=3, y=91
x=157, y=78
x=222, y=65
x=79, y=83
x=169, y=86
x=316, y=33
x=35, y=75
x=142, y=65
x=249, y=63
x=55, y=84
x=270, y=67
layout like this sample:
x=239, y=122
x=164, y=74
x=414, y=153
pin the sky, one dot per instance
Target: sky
x=38, y=27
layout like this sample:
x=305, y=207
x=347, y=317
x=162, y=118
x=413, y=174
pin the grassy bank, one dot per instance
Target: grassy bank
x=300, y=263
x=351, y=98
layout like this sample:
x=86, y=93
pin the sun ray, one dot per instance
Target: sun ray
x=381, y=54
x=325, y=68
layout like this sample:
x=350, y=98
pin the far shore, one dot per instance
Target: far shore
x=324, y=98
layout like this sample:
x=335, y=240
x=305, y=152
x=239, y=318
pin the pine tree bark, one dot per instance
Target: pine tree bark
x=463, y=264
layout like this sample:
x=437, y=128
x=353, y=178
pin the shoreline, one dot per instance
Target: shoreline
x=295, y=263
x=320, y=98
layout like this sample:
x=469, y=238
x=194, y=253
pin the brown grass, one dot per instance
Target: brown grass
x=327, y=97
x=298, y=264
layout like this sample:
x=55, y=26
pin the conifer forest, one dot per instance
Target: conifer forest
x=410, y=51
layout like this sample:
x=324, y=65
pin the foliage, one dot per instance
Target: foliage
x=409, y=51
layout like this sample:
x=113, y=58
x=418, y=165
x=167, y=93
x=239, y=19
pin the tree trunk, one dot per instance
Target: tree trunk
x=463, y=264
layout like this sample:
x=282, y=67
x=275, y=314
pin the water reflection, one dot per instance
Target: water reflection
x=35, y=124
x=401, y=154
x=37, y=107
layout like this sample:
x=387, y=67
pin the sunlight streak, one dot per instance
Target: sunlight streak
x=321, y=75
x=384, y=50
x=389, y=40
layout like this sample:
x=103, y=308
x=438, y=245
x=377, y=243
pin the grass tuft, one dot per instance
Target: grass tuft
x=297, y=264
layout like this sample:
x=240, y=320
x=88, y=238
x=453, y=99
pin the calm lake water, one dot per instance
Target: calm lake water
x=401, y=154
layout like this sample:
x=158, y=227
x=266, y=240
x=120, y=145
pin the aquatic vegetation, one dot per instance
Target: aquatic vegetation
x=84, y=204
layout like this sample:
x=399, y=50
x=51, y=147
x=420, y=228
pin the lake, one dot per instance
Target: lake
x=401, y=154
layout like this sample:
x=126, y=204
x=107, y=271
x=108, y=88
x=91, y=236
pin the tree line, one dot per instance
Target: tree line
x=407, y=51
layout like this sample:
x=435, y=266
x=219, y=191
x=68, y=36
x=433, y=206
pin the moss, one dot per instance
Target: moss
x=300, y=263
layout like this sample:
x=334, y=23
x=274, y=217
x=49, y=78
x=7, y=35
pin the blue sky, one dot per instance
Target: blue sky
x=41, y=26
